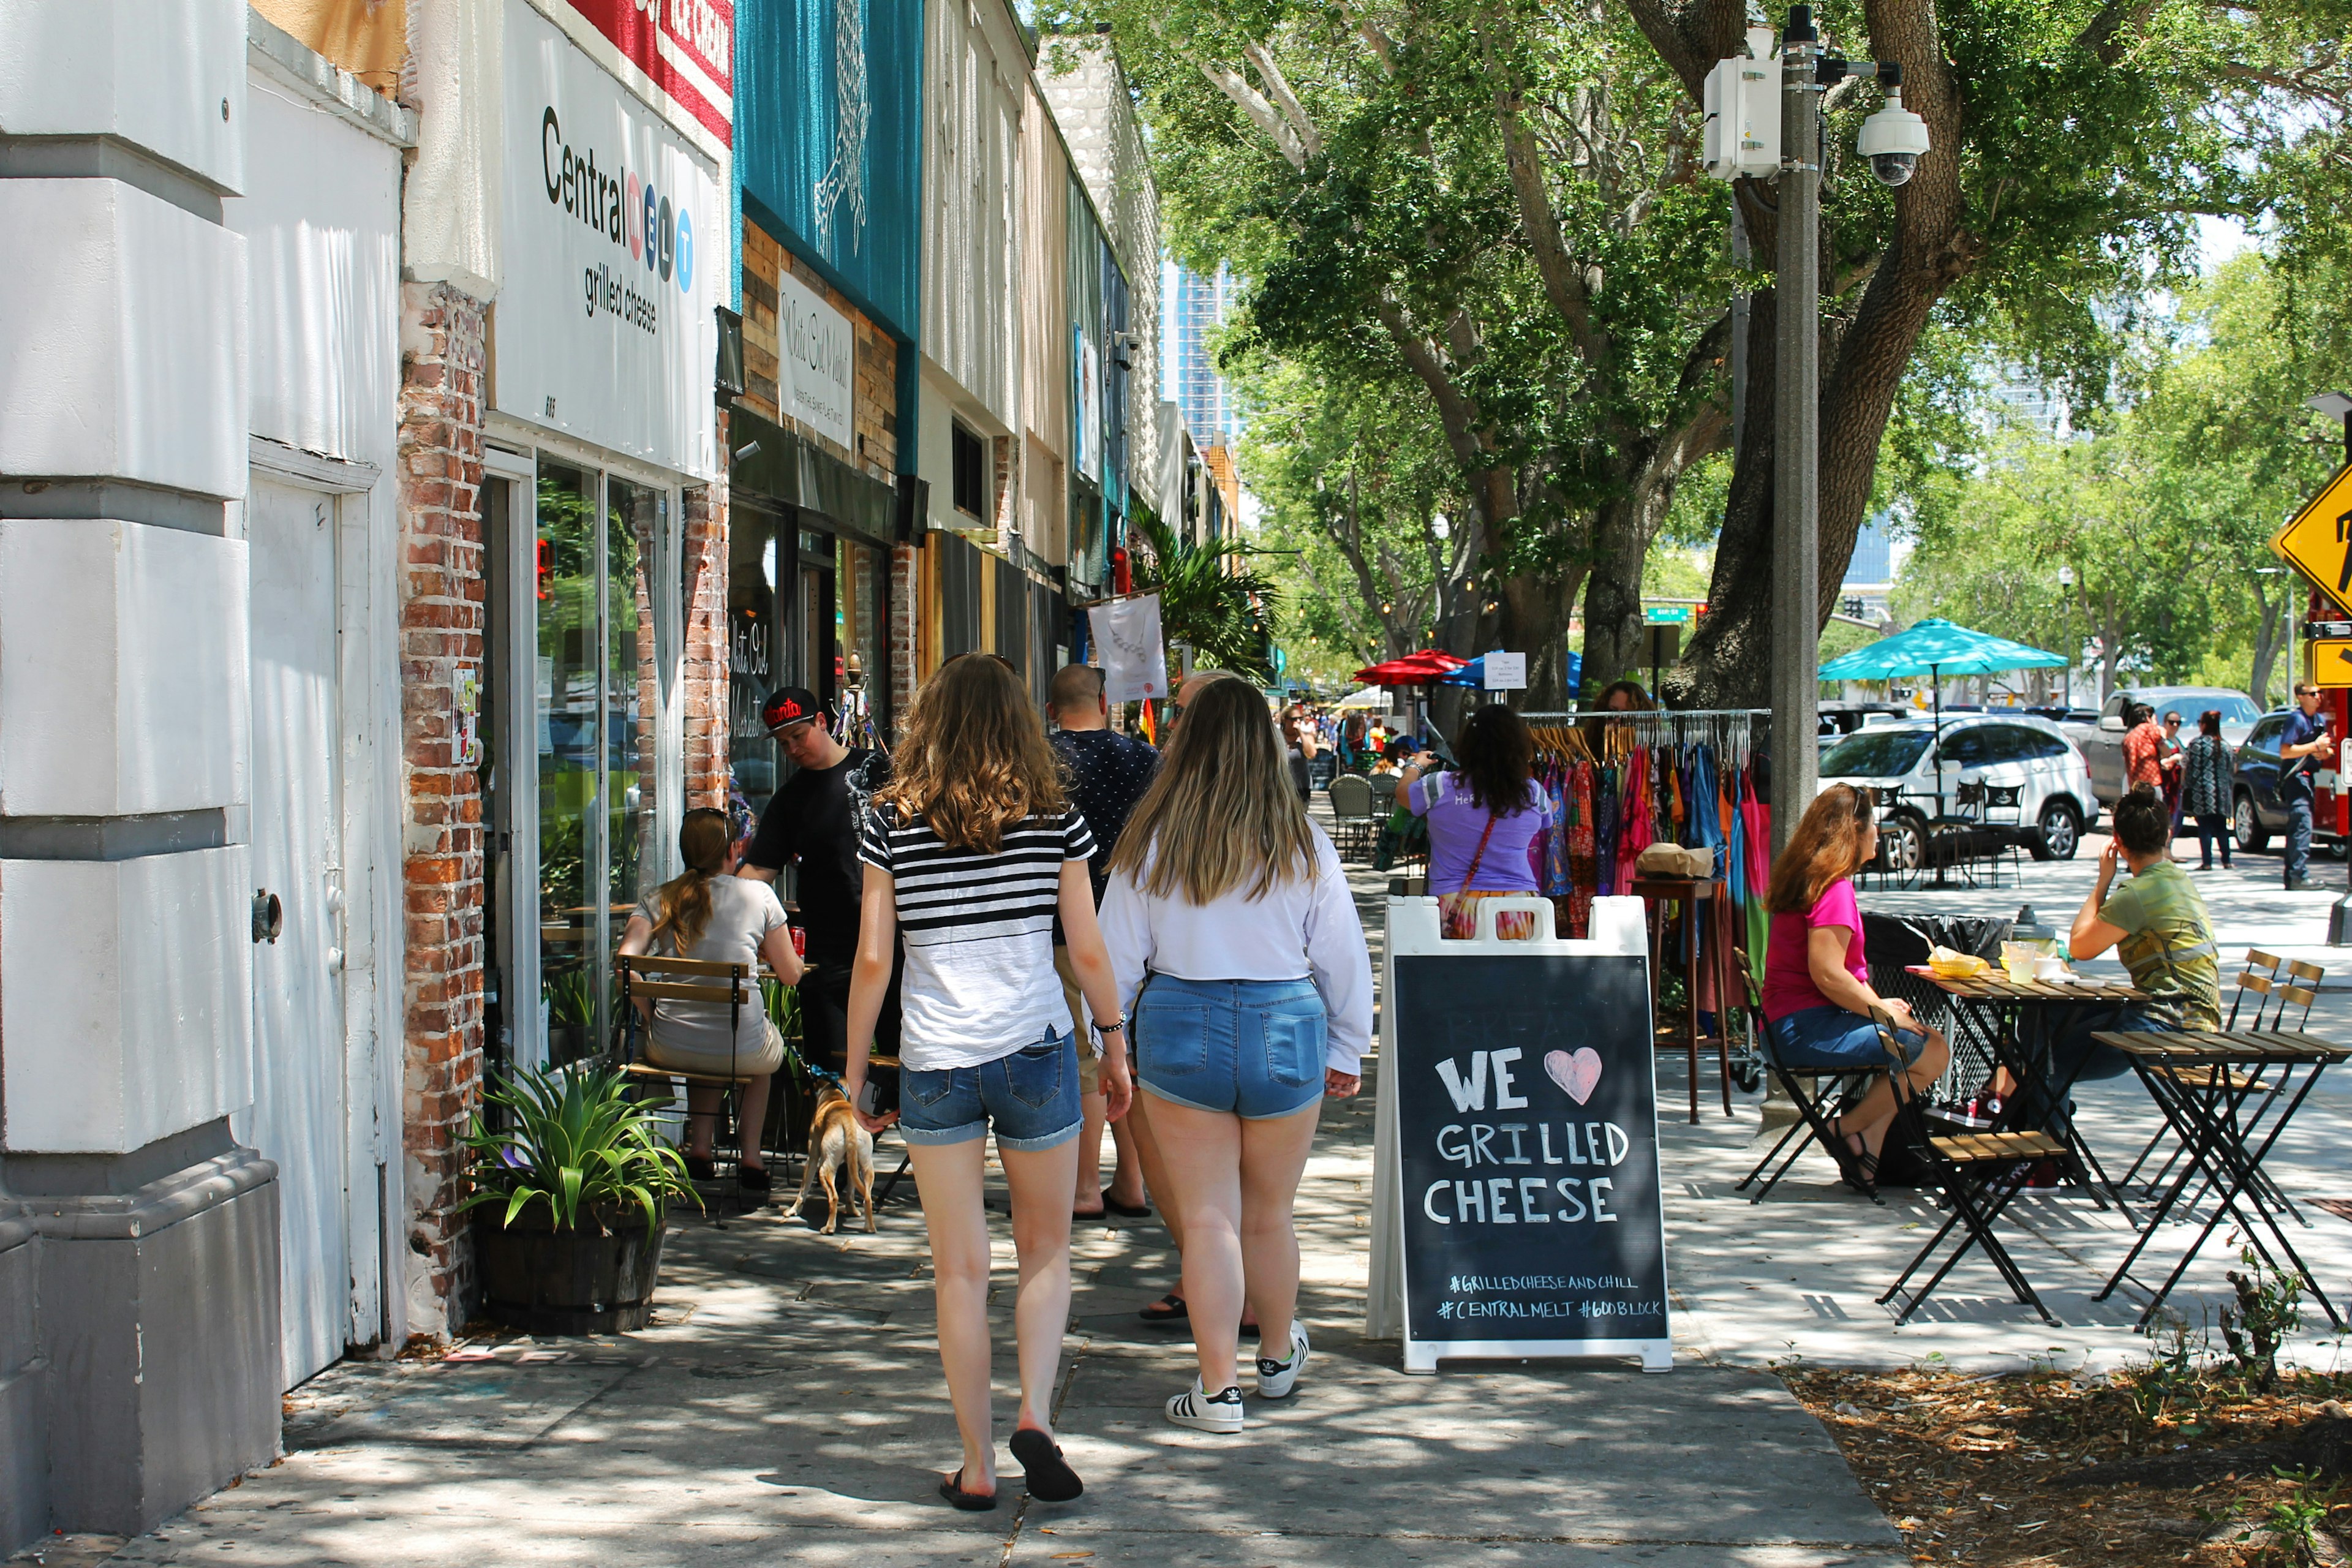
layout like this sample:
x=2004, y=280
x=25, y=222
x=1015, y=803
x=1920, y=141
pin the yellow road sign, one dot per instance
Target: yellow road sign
x=2331, y=661
x=2317, y=541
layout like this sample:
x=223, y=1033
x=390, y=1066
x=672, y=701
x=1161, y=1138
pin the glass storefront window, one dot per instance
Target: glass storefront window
x=567, y=711
x=600, y=649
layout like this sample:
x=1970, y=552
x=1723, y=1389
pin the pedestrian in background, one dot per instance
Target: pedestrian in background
x=2209, y=772
x=2171, y=764
x=971, y=853
x=2143, y=748
x=1107, y=773
x=1298, y=753
x=1234, y=933
x=2301, y=745
x=1482, y=819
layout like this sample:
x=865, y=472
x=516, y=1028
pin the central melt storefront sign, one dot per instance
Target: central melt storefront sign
x=819, y=355
x=615, y=253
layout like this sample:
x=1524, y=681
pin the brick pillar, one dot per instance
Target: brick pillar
x=703, y=547
x=441, y=610
x=906, y=617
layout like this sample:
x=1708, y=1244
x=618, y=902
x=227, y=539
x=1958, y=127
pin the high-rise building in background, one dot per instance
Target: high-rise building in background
x=1195, y=310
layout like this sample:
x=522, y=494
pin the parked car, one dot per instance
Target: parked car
x=1900, y=762
x=2256, y=809
x=2102, y=742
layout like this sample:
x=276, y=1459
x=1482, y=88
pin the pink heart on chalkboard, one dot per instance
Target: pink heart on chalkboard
x=1579, y=1074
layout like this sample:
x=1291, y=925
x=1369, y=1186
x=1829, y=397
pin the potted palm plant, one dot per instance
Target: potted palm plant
x=569, y=1199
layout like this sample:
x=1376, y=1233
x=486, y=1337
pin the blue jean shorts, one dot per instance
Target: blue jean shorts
x=1030, y=1099
x=1831, y=1039
x=1253, y=1047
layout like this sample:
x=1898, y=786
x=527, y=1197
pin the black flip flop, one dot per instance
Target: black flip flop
x=754, y=1178
x=701, y=1168
x=1048, y=1475
x=1127, y=1211
x=952, y=1489
x=1169, y=1308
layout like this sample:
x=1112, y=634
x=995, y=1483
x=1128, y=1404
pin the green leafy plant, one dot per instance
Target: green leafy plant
x=1224, y=611
x=2293, y=1521
x=576, y=1141
x=2267, y=1310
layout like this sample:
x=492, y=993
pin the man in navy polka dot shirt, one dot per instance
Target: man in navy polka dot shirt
x=1109, y=773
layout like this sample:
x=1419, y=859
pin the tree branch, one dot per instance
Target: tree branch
x=1252, y=103
x=1562, y=284
x=1310, y=140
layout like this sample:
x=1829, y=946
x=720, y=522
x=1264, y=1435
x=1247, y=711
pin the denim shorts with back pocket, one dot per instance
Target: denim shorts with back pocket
x=1030, y=1099
x=1252, y=1047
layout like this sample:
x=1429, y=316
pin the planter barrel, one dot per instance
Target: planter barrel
x=548, y=1281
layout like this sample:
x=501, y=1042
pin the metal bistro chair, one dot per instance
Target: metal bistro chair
x=1351, y=812
x=708, y=982
x=2004, y=806
x=1819, y=1098
x=1384, y=793
x=2274, y=997
x=1972, y=1170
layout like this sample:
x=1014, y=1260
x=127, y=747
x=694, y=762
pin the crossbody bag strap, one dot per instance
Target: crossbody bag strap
x=1470, y=878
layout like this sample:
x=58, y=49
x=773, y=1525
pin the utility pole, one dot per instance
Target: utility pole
x=1795, y=685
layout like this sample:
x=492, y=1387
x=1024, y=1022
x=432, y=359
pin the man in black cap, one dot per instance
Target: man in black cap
x=813, y=819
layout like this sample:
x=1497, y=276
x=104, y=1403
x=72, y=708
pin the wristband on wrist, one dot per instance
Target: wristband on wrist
x=1113, y=1028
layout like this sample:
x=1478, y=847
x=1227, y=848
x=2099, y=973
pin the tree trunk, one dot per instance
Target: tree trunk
x=2269, y=638
x=1614, y=647
x=1534, y=621
x=1730, y=654
x=2109, y=635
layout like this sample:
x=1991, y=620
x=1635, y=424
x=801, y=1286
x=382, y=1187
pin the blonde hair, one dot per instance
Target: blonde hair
x=682, y=905
x=1222, y=814
x=1825, y=848
x=975, y=761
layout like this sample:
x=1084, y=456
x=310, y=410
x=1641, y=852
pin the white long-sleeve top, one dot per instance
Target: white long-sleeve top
x=1302, y=928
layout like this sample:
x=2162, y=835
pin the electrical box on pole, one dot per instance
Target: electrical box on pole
x=1742, y=130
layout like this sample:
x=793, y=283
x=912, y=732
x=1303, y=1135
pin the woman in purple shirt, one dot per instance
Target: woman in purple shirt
x=1482, y=819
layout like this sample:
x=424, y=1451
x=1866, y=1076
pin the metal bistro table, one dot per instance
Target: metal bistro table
x=1994, y=1010
x=2202, y=1081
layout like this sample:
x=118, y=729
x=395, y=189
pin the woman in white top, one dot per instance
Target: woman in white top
x=1234, y=938
x=971, y=850
x=709, y=913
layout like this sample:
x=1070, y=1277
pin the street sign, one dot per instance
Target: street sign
x=1666, y=615
x=2317, y=541
x=2331, y=662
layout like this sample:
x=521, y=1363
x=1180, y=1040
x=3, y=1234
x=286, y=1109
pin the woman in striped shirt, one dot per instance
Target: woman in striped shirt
x=971, y=850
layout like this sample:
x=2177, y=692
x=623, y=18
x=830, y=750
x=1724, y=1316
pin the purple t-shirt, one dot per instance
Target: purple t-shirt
x=1455, y=826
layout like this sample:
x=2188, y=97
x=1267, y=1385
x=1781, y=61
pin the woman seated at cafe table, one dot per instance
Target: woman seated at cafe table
x=1817, y=995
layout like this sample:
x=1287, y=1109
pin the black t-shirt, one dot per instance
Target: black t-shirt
x=816, y=817
x=1109, y=774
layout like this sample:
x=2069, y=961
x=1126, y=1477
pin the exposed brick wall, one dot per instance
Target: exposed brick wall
x=703, y=555
x=906, y=617
x=441, y=623
x=874, y=390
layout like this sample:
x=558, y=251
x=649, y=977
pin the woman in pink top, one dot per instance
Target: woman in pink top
x=1817, y=995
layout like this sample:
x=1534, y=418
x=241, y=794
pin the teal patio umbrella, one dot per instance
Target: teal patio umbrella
x=1935, y=649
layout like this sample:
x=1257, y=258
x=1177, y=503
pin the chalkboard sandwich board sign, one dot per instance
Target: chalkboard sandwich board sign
x=1526, y=1144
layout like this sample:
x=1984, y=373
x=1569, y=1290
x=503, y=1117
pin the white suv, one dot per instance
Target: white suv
x=2002, y=749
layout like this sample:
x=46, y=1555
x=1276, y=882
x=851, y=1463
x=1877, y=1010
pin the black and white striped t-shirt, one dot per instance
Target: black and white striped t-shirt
x=978, y=929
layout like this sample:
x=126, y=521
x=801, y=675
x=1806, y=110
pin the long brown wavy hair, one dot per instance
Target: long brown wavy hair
x=975, y=760
x=682, y=905
x=1222, y=813
x=1498, y=758
x=1825, y=848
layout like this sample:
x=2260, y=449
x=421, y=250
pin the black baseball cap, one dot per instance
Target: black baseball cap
x=790, y=705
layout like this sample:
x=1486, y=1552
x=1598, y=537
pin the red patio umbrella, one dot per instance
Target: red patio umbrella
x=1413, y=670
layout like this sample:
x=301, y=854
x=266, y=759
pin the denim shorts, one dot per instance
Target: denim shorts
x=1253, y=1047
x=1831, y=1039
x=1030, y=1099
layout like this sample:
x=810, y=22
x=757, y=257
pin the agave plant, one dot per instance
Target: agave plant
x=576, y=1141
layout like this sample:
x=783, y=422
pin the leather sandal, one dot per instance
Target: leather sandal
x=1169, y=1308
x=952, y=1489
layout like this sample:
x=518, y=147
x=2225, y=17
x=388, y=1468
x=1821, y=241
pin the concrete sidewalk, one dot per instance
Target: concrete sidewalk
x=787, y=1407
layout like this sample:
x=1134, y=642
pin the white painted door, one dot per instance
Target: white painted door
x=300, y=1113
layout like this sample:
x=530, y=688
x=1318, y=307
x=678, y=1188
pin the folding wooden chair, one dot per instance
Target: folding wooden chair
x=1978, y=1174
x=1818, y=1097
x=2274, y=997
x=708, y=982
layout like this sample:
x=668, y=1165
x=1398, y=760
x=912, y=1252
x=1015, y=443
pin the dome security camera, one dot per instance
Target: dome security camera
x=1893, y=139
